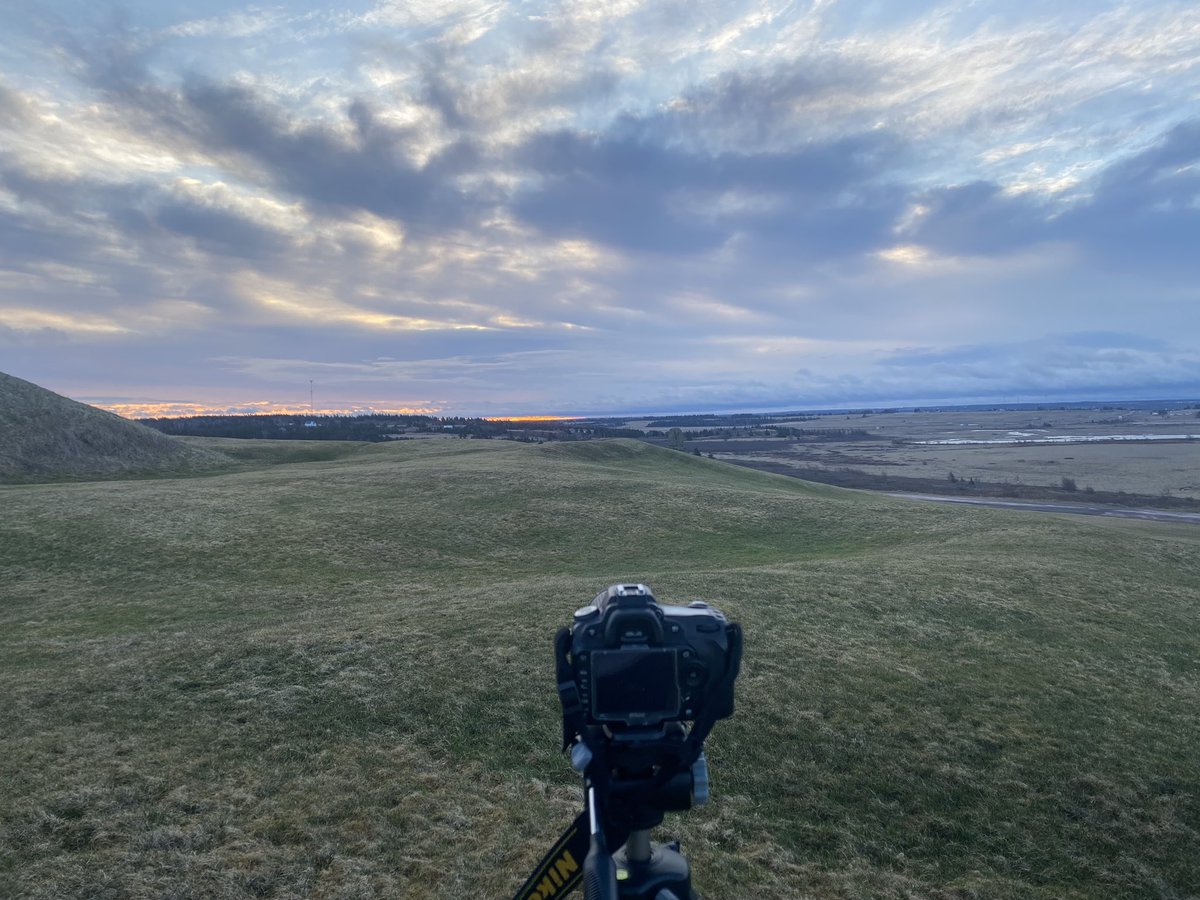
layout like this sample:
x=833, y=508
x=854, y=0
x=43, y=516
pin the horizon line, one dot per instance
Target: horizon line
x=167, y=410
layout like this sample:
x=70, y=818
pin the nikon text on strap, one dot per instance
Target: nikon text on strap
x=561, y=869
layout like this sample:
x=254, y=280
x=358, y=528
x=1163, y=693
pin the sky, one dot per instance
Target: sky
x=479, y=207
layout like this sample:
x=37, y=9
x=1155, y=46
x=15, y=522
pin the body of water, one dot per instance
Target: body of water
x=1065, y=439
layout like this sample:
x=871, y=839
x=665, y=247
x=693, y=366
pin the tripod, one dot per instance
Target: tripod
x=630, y=781
x=639, y=870
x=634, y=779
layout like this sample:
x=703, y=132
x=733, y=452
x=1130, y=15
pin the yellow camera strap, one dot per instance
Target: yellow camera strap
x=561, y=869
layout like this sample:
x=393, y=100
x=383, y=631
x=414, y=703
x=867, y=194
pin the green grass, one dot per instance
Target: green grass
x=255, y=453
x=47, y=437
x=333, y=678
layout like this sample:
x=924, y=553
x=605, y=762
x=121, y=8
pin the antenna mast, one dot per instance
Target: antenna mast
x=312, y=407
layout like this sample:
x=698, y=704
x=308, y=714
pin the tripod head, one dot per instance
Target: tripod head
x=636, y=801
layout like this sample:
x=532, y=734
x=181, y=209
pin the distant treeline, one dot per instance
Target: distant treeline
x=814, y=435
x=376, y=428
x=312, y=428
x=736, y=420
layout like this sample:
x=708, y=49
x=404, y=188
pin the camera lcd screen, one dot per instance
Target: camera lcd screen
x=640, y=684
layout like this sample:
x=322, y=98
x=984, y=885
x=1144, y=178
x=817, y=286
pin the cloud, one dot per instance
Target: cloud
x=365, y=164
x=138, y=244
x=630, y=192
x=1140, y=211
x=1145, y=209
x=617, y=206
x=17, y=319
x=981, y=219
x=1090, y=364
x=249, y=24
x=354, y=160
x=1009, y=372
x=219, y=231
x=13, y=108
x=773, y=106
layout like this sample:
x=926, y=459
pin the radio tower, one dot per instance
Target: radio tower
x=312, y=407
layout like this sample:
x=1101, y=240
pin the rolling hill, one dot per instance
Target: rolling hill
x=46, y=437
x=334, y=678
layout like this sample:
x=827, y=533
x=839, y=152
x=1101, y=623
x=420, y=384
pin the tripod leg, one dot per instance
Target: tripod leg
x=599, y=870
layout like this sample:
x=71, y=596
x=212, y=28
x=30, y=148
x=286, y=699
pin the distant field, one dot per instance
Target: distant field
x=333, y=678
x=1152, y=469
x=895, y=448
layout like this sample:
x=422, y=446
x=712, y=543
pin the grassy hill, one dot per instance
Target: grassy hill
x=46, y=437
x=334, y=679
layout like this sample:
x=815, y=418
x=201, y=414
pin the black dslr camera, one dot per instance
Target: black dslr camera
x=638, y=664
x=641, y=686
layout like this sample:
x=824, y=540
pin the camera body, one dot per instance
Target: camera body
x=639, y=665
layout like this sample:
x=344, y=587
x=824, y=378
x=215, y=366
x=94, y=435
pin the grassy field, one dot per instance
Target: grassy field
x=1148, y=470
x=333, y=678
x=1163, y=468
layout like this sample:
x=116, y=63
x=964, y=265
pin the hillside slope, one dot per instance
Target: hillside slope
x=45, y=437
x=335, y=679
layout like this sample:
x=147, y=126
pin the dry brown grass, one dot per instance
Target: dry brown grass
x=1150, y=469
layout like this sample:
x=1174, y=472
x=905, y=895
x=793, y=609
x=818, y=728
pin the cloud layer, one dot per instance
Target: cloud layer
x=482, y=207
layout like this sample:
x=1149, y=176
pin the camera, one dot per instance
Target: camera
x=641, y=685
x=638, y=664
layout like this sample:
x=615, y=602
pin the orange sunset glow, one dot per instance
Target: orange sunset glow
x=533, y=418
x=253, y=408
